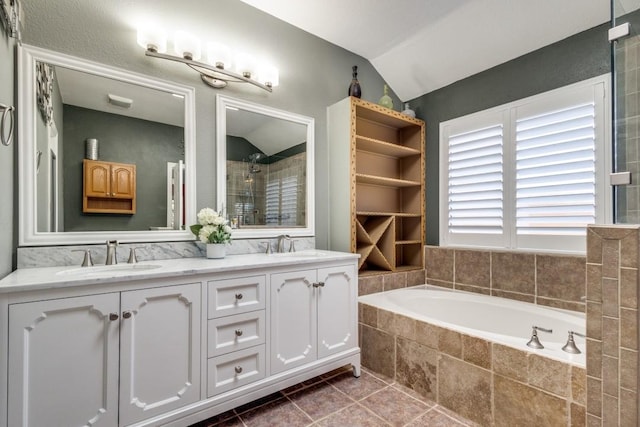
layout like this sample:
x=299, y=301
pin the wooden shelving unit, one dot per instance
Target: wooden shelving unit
x=376, y=186
x=108, y=187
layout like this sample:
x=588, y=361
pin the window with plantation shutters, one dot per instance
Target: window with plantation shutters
x=530, y=174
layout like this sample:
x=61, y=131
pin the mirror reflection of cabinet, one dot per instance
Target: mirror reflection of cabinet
x=109, y=187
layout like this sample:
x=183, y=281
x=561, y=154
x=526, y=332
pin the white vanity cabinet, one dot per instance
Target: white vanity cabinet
x=313, y=315
x=106, y=359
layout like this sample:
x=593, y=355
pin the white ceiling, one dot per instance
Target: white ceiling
x=418, y=46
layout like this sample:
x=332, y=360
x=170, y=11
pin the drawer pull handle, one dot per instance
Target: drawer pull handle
x=126, y=315
x=239, y=296
x=113, y=316
x=318, y=285
x=238, y=332
x=238, y=369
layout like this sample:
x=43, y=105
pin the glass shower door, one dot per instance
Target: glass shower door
x=626, y=110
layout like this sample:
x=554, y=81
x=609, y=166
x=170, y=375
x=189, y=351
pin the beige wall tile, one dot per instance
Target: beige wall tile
x=629, y=369
x=594, y=247
x=465, y=389
x=610, y=258
x=439, y=263
x=517, y=404
x=594, y=320
x=578, y=415
x=579, y=385
x=511, y=271
x=549, y=375
x=416, y=367
x=450, y=342
x=610, y=334
x=628, y=411
x=427, y=334
x=476, y=351
x=386, y=321
x=369, y=315
x=391, y=281
x=474, y=289
x=405, y=326
x=510, y=362
x=440, y=283
x=629, y=251
x=378, y=351
x=473, y=268
x=594, y=283
x=514, y=296
x=610, y=411
x=370, y=284
x=593, y=421
x=594, y=358
x=629, y=287
x=594, y=396
x=610, y=375
x=560, y=277
x=610, y=300
x=416, y=277
x=629, y=328
x=565, y=305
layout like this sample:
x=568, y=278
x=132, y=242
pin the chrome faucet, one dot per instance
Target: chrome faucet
x=281, y=239
x=111, y=252
x=570, y=346
x=534, y=342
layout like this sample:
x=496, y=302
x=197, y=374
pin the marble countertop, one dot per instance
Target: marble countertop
x=29, y=279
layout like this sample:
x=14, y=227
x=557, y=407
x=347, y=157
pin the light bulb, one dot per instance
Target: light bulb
x=246, y=65
x=219, y=55
x=152, y=38
x=187, y=45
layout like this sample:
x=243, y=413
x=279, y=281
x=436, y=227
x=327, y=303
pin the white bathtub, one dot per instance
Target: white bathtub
x=500, y=320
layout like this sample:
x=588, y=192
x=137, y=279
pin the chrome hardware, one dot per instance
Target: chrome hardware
x=111, y=252
x=268, y=249
x=318, y=285
x=126, y=314
x=281, y=239
x=238, y=332
x=239, y=296
x=113, y=316
x=238, y=369
x=570, y=346
x=86, y=261
x=133, y=259
x=534, y=342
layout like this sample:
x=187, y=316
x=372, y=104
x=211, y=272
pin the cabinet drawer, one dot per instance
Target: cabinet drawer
x=233, y=370
x=237, y=295
x=232, y=333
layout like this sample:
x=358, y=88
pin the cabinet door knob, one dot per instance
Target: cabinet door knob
x=126, y=314
x=238, y=369
x=239, y=296
x=238, y=332
x=113, y=316
x=318, y=285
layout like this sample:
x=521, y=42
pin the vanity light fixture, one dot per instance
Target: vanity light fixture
x=219, y=68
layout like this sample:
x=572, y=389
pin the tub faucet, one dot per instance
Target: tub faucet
x=111, y=252
x=534, y=342
x=570, y=346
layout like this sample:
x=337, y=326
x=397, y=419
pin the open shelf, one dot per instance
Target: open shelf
x=386, y=148
x=388, y=182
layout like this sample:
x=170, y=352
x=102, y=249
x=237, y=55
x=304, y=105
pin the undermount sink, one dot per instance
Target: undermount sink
x=116, y=269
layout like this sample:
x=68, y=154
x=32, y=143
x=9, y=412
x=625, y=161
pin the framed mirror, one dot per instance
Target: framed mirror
x=265, y=169
x=75, y=111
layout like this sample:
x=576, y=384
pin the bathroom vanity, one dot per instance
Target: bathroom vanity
x=171, y=342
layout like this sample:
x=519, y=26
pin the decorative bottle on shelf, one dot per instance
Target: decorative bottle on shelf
x=408, y=111
x=386, y=100
x=354, y=87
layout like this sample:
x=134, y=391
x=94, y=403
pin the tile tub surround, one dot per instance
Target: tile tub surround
x=612, y=325
x=546, y=279
x=488, y=383
x=52, y=256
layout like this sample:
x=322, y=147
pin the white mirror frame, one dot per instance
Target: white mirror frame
x=28, y=234
x=222, y=102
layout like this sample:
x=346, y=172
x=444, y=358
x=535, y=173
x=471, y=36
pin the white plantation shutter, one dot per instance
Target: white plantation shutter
x=556, y=172
x=282, y=201
x=530, y=174
x=475, y=189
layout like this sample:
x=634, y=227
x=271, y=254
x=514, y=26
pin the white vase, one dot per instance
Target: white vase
x=216, y=250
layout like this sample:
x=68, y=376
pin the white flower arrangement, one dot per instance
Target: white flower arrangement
x=212, y=227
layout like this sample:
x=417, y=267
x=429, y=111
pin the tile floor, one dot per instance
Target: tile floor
x=338, y=399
